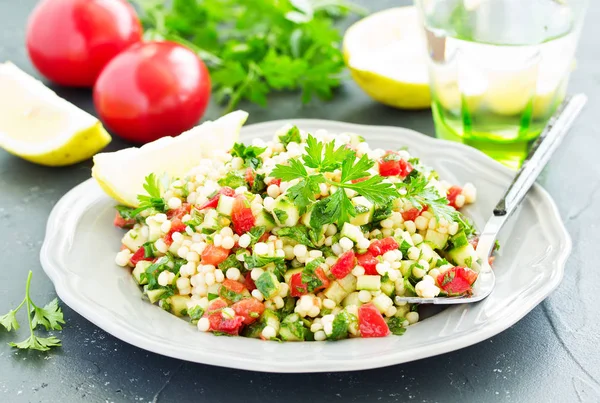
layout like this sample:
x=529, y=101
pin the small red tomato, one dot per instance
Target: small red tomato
x=214, y=255
x=368, y=262
x=411, y=215
x=214, y=202
x=298, y=288
x=70, y=41
x=380, y=246
x=122, y=222
x=220, y=324
x=371, y=322
x=152, y=90
x=392, y=165
x=179, y=212
x=241, y=215
x=457, y=280
x=344, y=265
x=452, y=193
x=176, y=226
x=250, y=309
x=139, y=255
x=250, y=176
x=249, y=283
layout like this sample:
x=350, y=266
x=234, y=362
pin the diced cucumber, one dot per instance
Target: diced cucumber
x=463, y=256
x=369, y=283
x=285, y=212
x=267, y=284
x=364, y=209
x=351, y=299
x=460, y=239
x=179, y=304
x=154, y=231
x=140, y=268
x=405, y=267
x=436, y=239
x=154, y=295
x=388, y=287
x=254, y=330
x=335, y=292
x=292, y=328
x=210, y=219
x=134, y=239
x=409, y=289
x=288, y=274
x=351, y=232
x=225, y=205
x=264, y=219
x=270, y=318
x=348, y=283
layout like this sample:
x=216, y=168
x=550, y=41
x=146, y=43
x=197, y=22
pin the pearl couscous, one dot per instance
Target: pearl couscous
x=305, y=237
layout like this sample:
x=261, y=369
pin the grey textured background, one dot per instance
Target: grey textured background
x=550, y=355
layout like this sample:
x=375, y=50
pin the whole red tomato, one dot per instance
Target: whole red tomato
x=70, y=41
x=151, y=90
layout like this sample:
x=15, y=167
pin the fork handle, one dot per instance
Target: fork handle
x=540, y=153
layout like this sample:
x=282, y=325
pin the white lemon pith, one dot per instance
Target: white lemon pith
x=121, y=173
x=386, y=55
x=39, y=126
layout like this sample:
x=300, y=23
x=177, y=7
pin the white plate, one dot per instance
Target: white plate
x=81, y=243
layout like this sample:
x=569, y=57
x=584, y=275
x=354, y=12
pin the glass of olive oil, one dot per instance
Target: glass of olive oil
x=499, y=68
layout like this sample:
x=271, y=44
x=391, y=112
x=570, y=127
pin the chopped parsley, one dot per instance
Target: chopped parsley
x=309, y=277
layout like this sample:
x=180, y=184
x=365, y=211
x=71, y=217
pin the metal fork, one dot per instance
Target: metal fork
x=538, y=156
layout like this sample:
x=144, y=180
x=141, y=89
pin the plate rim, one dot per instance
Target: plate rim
x=490, y=330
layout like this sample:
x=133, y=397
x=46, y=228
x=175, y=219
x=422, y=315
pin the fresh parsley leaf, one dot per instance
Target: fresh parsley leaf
x=419, y=195
x=292, y=136
x=309, y=277
x=395, y=325
x=149, y=249
x=50, y=316
x=37, y=343
x=281, y=215
x=266, y=285
x=255, y=261
x=126, y=212
x=302, y=194
x=339, y=209
x=230, y=262
x=233, y=179
x=294, y=170
x=256, y=233
x=404, y=247
x=299, y=233
x=153, y=199
x=258, y=185
x=250, y=154
x=9, y=320
x=231, y=295
x=496, y=246
x=340, y=325
x=212, y=296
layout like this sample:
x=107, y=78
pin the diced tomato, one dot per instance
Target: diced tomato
x=249, y=283
x=250, y=309
x=250, y=176
x=213, y=203
x=263, y=237
x=275, y=181
x=241, y=215
x=344, y=265
x=214, y=255
x=371, y=322
x=139, y=256
x=359, y=179
x=122, y=222
x=411, y=215
x=491, y=260
x=368, y=262
x=474, y=242
x=298, y=288
x=234, y=286
x=457, y=280
x=179, y=212
x=380, y=246
x=451, y=195
x=176, y=226
x=392, y=165
x=220, y=324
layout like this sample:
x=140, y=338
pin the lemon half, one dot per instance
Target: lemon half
x=121, y=173
x=386, y=55
x=39, y=126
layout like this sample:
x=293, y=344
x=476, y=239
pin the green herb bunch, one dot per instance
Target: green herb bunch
x=254, y=47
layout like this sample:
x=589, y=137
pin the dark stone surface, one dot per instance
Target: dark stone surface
x=550, y=355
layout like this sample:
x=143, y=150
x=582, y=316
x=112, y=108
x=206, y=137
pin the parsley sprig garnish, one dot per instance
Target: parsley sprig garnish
x=50, y=316
x=321, y=158
x=153, y=200
x=416, y=191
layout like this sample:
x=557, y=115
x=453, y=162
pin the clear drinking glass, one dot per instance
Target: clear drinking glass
x=499, y=68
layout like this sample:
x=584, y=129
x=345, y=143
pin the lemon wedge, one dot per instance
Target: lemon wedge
x=386, y=55
x=39, y=126
x=121, y=173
